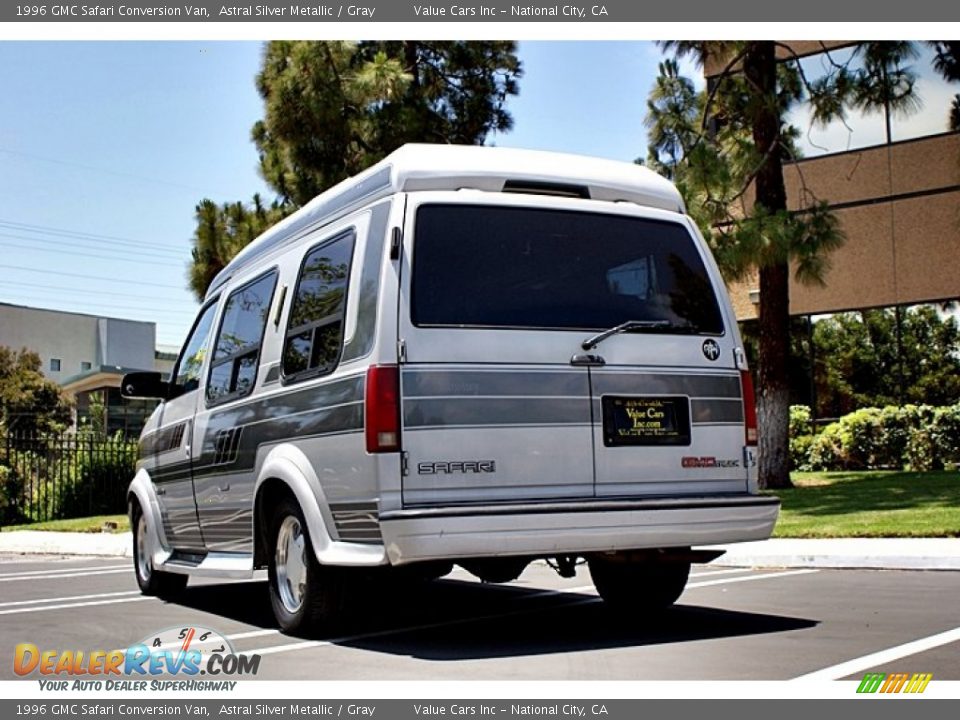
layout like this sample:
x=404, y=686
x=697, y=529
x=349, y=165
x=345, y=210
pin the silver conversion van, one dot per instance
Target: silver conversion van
x=470, y=355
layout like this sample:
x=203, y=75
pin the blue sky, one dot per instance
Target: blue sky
x=106, y=147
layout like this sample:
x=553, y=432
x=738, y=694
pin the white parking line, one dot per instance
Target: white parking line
x=748, y=578
x=62, y=576
x=62, y=570
x=65, y=599
x=75, y=605
x=303, y=645
x=835, y=672
x=729, y=571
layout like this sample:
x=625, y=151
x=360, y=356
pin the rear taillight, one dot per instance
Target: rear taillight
x=749, y=407
x=382, y=409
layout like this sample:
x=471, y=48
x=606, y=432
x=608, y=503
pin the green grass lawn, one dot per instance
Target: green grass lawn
x=871, y=504
x=89, y=524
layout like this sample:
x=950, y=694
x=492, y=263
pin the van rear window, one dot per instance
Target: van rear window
x=506, y=267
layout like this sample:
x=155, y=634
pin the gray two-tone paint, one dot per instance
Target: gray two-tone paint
x=473, y=399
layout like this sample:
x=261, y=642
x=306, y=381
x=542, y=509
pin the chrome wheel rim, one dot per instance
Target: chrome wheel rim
x=291, y=564
x=143, y=558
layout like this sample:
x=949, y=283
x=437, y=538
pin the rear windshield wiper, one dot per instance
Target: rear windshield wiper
x=638, y=326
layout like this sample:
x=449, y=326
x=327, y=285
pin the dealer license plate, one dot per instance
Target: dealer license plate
x=646, y=420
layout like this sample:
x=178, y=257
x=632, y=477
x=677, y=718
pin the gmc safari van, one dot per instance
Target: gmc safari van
x=468, y=355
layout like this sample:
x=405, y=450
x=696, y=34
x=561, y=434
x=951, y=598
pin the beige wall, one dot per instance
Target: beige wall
x=899, y=206
x=714, y=65
x=902, y=250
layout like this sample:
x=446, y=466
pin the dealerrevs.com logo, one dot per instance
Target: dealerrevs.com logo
x=181, y=652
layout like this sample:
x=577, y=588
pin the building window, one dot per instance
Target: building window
x=84, y=366
x=54, y=364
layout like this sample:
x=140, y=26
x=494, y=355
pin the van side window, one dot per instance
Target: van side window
x=186, y=373
x=236, y=354
x=314, y=335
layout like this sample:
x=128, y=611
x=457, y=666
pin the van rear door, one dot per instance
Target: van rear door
x=492, y=409
x=514, y=309
x=667, y=402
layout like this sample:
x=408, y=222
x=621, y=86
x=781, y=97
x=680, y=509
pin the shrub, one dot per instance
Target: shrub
x=98, y=479
x=917, y=437
x=801, y=437
x=862, y=438
x=921, y=451
x=827, y=451
x=56, y=477
x=945, y=432
x=896, y=424
x=11, y=492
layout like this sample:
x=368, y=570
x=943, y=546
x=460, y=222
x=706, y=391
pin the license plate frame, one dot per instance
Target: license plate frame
x=647, y=420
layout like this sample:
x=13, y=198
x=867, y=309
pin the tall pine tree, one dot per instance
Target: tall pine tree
x=333, y=108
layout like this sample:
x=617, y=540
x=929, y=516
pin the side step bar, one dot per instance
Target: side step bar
x=228, y=565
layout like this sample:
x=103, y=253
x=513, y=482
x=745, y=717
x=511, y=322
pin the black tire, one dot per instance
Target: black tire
x=311, y=605
x=638, y=586
x=151, y=581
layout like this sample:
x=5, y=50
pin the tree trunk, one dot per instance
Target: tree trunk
x=773, y=397
x=760, y=70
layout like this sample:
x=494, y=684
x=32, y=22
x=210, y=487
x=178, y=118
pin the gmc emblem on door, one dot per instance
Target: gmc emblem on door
x=457, y=466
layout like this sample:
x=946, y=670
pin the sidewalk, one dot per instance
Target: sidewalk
x=873, y=553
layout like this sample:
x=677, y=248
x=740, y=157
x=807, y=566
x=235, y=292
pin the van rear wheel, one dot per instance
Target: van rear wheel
x=305, y=595
x=638, y=585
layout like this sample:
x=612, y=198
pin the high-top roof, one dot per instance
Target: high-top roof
x=414, y=168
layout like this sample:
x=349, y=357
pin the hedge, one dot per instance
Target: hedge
x=912, y=437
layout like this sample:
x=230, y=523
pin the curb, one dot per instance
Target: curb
x=38, y=542
x=850, y=553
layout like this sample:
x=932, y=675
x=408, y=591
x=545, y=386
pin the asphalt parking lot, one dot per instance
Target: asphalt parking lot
x=730, y=624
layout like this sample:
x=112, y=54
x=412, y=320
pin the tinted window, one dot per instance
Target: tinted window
x=525, y=267
x=186, y=373
x=237, y=351
x=315, y=329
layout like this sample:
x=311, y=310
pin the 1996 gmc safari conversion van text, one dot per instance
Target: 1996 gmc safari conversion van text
x=467, y=355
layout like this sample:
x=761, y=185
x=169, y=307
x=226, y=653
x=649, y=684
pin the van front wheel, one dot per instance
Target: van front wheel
x=304, y=594
x=150, y=580
x=638, y=585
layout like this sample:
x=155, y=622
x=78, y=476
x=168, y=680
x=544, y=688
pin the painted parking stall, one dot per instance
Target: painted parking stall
x=837, y=624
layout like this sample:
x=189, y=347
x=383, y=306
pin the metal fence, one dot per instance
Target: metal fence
x=63, y=476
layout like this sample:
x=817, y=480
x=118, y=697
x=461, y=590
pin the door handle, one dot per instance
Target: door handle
x=587, y=360
x=223, y=488
x=161, y=491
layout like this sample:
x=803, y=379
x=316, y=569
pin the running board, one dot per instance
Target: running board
x=229, y=565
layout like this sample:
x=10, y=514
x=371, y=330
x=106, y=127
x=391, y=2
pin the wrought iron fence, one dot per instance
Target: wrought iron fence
x=44, y=477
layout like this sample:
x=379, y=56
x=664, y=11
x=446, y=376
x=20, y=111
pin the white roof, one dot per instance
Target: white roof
x=415, y=167
x=438, y=167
